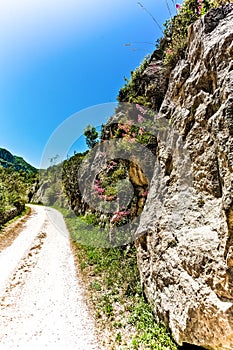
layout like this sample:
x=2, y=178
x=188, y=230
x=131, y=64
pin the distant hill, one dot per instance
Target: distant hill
x=8, y=160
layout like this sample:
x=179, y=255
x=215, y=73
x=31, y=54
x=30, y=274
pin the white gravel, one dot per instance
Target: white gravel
x=41, y=301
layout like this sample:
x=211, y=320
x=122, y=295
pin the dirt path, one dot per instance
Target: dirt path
x=41, y=300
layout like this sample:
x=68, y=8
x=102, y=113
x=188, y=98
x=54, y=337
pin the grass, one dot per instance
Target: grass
x=124, y=319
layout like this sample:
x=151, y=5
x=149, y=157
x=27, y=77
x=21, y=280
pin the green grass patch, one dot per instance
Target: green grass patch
x=111, y=276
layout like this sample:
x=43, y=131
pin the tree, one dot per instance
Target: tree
x=91, y=136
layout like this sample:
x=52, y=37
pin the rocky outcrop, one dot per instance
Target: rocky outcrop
x=11, y=213
x=48, y=190
x=185, y=238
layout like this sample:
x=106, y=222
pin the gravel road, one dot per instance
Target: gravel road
x=41, y=300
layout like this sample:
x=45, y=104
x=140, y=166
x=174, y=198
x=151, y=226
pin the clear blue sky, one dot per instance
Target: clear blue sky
x=61, y=56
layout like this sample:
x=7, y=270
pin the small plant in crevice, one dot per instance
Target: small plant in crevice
x=176, y=28
x=169, y=48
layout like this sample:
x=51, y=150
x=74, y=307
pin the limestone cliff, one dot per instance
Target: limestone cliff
x=185, y=238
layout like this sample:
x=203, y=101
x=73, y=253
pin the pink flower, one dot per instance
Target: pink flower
x=199, y=9
x=169, y=52
x=141, y=131
x=98, y=189
x=124, y=127
x=133, y=134
x=140, y=118
x=178, y=7
x=118, y=215
x=145, y=193
x=200, y=6
x=140, y=109
x=153, y=67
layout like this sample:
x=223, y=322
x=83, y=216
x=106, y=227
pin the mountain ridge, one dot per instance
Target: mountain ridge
x=8, y=160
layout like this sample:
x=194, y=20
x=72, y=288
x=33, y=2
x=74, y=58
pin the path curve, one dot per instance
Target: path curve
x=41, y=300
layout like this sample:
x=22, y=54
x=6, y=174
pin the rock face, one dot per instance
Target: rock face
x=185, y=238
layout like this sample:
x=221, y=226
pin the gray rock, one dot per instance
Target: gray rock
x=185, y=237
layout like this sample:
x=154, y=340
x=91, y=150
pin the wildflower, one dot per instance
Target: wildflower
x=140, y=118
x=124, y=127
x=140, y=109
x=169, y=52
x=141, y=131
x=118, y=215
x=153, y=67
x=111, y=165
x=178, y=7
x=200, y=7
x=145, y=193
x=100, y=190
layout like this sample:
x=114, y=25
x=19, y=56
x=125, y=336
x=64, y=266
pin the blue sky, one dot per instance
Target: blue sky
x=61, y=56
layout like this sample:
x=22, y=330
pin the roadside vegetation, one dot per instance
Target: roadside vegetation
x=124, y=319
x=15, y=190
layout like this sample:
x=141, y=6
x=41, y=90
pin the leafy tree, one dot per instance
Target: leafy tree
x=91, y=135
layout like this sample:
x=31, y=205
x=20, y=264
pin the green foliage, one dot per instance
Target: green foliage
x=7, y=160
x=91, y=136
x=170, y=48
x=174, y=41
x=133, y=91
x=142, y=317
x=51, y=185
x=17, y=179
x=176, y=28
x=69, y=183
x=14, y=190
